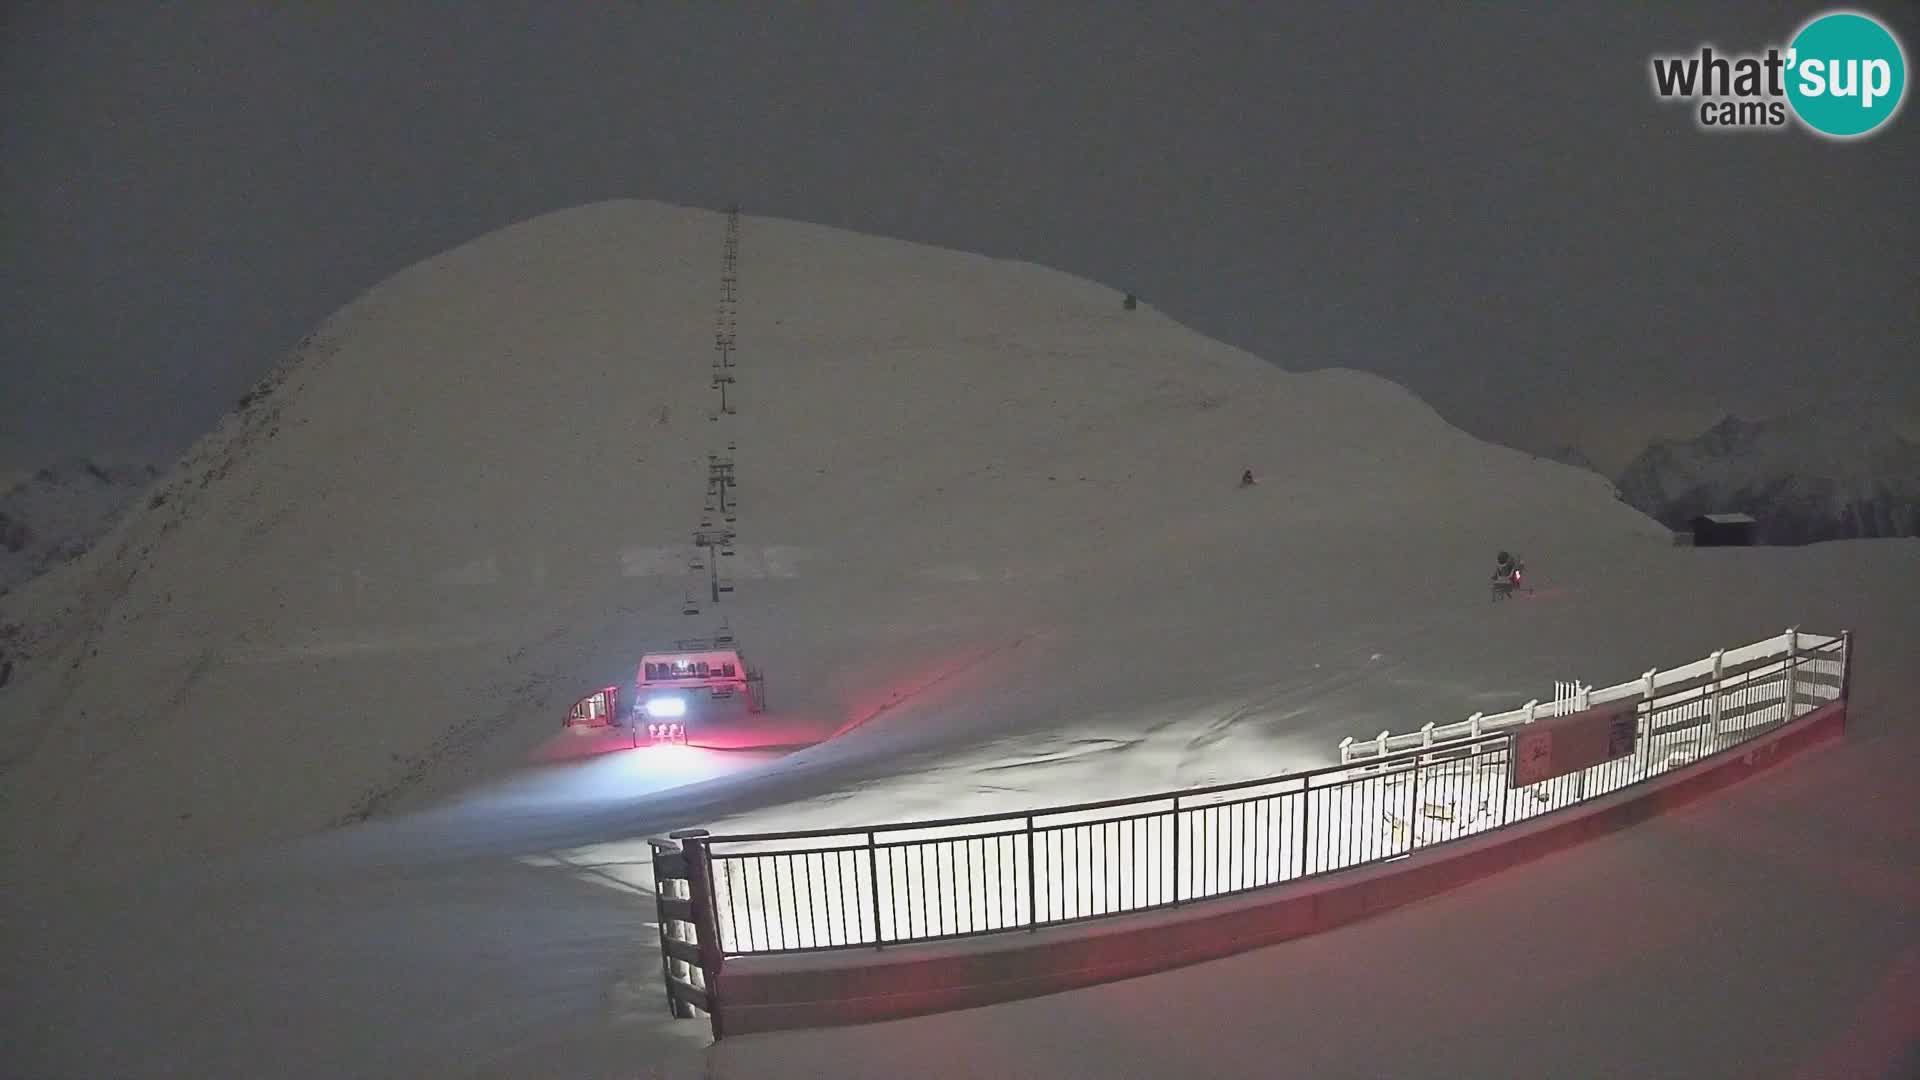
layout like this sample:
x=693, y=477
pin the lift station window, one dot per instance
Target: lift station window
x=690, y=669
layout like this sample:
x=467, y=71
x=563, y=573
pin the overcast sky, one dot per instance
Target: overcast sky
x=1480, y=201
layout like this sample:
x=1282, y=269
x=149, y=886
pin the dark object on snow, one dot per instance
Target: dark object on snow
x=1246, y=479
x=1724, y=530
x=1508, y=574
x=1130, y=302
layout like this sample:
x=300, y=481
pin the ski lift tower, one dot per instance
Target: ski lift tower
x=719, y=479
x=725, y=334
x=719, y=542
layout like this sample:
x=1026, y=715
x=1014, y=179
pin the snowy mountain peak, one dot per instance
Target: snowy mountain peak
x=86, y=471
x=1837, y=469
x=57, y=512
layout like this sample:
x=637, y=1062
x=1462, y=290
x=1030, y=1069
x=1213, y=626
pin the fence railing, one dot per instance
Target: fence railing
x=1573, y=695
x=689, y=959
x=886, y=885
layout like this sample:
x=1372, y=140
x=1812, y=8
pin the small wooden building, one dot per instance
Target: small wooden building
x=1725, y=530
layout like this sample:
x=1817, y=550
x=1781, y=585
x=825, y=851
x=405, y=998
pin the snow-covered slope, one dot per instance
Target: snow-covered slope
x=59, y=511
x=1567, y=454
x=989, y=527
x=470, y=496
x=1839, y=470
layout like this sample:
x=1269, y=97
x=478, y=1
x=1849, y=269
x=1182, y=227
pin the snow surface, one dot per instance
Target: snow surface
x=56, y=512
x=1767, y=931
x=999, y=547
x=976, y=876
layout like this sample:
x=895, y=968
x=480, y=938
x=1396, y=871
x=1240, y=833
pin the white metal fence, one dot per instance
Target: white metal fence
x=1572, y=696
x=921, y=881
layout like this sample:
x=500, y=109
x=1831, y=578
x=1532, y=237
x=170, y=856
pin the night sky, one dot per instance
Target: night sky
x=1482, y=202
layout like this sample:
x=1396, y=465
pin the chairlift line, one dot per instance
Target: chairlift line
x=720, y=470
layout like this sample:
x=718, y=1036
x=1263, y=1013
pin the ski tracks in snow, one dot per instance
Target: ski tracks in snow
x=1400, y=649
x=465, y=735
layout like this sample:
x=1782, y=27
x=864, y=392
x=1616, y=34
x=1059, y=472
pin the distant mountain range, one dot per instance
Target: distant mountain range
x=1830, y=472
x=58, y=512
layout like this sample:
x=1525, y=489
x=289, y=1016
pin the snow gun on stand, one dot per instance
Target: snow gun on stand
x=1509, y=575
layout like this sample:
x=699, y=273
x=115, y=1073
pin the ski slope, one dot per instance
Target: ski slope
x=392, y=571
x=284, y=788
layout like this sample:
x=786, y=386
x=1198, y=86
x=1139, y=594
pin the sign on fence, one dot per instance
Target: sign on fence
x=1570, y=743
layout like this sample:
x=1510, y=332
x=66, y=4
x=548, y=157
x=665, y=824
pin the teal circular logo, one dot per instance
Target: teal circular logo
x=1846, y=75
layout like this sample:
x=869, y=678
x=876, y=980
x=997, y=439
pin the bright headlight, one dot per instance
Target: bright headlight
x=666, y=706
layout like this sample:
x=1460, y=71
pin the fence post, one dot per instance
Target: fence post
x=1532, y=707
x=1473, y=725
x=706, y=923
x=1346, y=750
x=1380, y=746
x=1846, y=663
x=1413, y=811
x=1719, y=659
x=1513, y=739
x=873, y=875
x=1174, y=868
x=1300, y=832
x=1033, y=882
x=668, y=868
x=1646, y=692
x=1793, y=650
x=1426, y=734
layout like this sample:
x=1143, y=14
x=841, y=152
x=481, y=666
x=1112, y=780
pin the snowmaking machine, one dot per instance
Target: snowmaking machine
x=676, y=692
x=1509, y=577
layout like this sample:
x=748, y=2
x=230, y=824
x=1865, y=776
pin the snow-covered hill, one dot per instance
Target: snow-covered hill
x=58, y=512
x=1571, y=455
x=472, y=493
x=1835, y=471
x=990, y=530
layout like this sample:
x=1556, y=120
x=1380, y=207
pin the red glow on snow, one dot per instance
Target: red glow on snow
x=927, y=681
x=1884, y=1028
x=663, y=749
x=575, y=744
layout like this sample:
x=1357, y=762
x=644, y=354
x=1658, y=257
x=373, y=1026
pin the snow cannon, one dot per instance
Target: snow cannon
x=1508, y=578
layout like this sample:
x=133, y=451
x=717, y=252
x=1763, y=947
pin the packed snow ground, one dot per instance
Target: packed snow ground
x=990, y=533
x=983, y=875
x=1768, y=931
